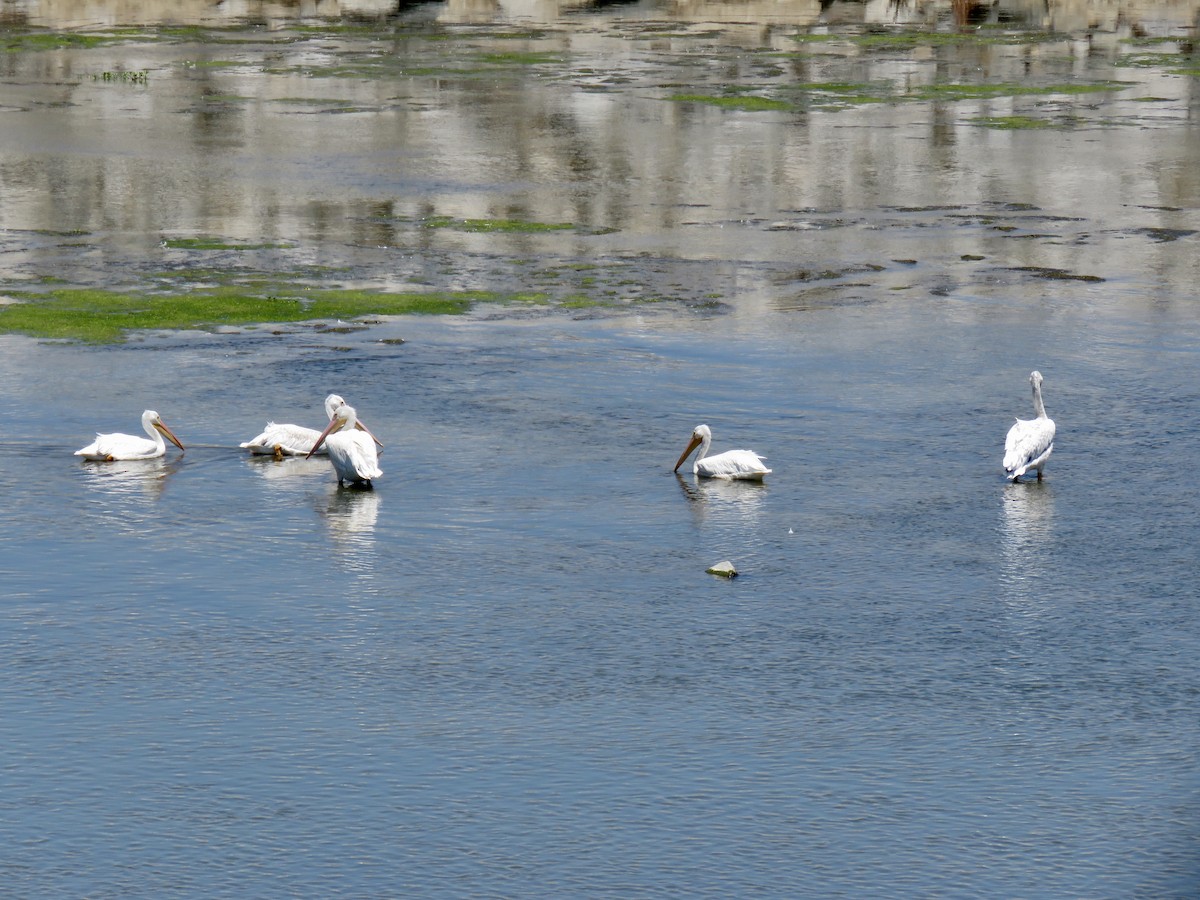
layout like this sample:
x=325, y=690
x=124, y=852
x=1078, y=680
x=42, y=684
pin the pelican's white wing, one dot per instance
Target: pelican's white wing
x=745, y=465
x=121, y=446
x=1028, y=445
x=353, y=456
x=292, y=440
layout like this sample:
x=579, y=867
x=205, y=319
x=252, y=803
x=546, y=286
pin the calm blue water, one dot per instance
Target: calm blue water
x=505, y=672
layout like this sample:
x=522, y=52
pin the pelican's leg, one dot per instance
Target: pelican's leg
x=1039, y=473
x=278, y=454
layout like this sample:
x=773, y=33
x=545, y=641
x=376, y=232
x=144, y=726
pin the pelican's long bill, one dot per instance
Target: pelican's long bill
x=334, y=424
x=161, y=427
x=695, y=442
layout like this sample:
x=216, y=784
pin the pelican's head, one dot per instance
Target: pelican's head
x=1035, y=378
x=332, y=402
x=700, y=434
x=151, y=419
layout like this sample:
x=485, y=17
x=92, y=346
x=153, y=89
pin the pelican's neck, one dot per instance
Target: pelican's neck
x=1038, y=406
x=155, y=434
x=705, y=442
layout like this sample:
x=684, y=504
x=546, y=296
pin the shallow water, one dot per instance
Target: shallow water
x=504, y=671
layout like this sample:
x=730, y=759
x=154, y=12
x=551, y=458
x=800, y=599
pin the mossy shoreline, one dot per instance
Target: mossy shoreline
x=100, y=316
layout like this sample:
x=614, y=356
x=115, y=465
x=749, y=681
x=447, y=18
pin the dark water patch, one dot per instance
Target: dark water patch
x=215, y=243
x=830, y=297
x=804, y=275
x=1165, y=235
x=487, y=226
x=974, y=91
x=1054, y=274
x=1015, y=123
x=924, y=209
x=742, y=102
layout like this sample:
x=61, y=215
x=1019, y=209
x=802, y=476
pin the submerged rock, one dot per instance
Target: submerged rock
x=725, y=569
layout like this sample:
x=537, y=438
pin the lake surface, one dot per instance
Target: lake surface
x=504, y=671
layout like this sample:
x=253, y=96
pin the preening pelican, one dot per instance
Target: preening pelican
x=295, y=440
x=108, y=447
x=352, y=452
x=1030, y=441
x=744, y=465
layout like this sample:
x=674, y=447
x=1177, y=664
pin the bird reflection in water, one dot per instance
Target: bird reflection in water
x=273, y=468
x=1026, y=530
x=145, y=478
x=723, y=501
x=351, y=516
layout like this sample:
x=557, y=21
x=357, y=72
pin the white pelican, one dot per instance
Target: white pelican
x=294, y=440
x=1030, y=441
x=744, y=465
x=351, y=452
x=108, y=447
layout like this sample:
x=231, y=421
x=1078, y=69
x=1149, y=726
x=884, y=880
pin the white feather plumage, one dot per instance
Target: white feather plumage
x=742, y=465
x=109, y=447
x=351, y=451
x=1030, y=441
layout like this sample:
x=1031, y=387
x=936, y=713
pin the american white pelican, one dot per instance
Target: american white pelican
x=352, y=452
x=294, y=440
x=1030, y=441
x=108, y=447
x=744, y=465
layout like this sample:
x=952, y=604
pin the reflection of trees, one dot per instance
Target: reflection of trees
x=1061, y=14
x=280, y=139
x=88, y=14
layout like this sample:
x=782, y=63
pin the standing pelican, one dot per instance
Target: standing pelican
x=294, y=440
x=1030, y=441
x=351, y=452
x=108, y=447
x=744, y=465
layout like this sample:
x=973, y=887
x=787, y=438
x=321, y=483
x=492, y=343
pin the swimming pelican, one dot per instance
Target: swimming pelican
x=108, y=447
x=351, y=452
x=1030, y=441
x=295, y=440
x=744, y=465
